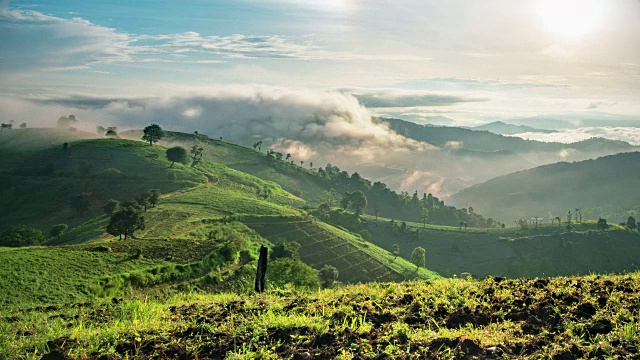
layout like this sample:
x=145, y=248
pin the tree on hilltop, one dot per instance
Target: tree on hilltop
x=152, y=133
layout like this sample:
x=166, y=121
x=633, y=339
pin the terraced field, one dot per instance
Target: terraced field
x=356, y=259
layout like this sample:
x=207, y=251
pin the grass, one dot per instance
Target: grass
x=590, y=317
x=36, y=276
x=536, y=252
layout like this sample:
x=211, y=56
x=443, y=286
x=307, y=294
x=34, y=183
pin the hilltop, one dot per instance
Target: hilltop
x=602, y=187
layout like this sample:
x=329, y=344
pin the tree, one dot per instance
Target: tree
x=264, y=193
x=346, y=199
x=293, y=272
x=418, y=257
x=328, y=276
x=110, y=207
x=425, y=216
x=177, y=154
x=396, y=249
x=111, y=133
x=152, y=133
x=143, y=200
x=23, y=125
x=602, y=224
x=58, y=230
x=154, y=197
x=67, y=122
x=323, y=210
x=631, y=223
x=358, y=202
x=125, y=222
x=196, y=154
x=284, y=249
x=21, y=235
x=287, y=157
x=80, y=203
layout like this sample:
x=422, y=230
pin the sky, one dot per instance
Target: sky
x=461, y=62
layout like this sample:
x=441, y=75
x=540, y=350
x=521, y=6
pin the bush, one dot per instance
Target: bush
x=21, y=235
x=292, y=272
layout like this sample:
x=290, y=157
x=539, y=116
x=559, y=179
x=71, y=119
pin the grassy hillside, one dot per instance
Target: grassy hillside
x=182, y=244
x=561, y=318
x=602, y=187
x=512, y=252
x=322, y=244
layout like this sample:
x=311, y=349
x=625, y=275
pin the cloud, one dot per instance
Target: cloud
x=329, y=125
x=405, y=99
x=55, y=43
x=628, y=134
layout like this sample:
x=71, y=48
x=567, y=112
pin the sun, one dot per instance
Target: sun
x=571, y=18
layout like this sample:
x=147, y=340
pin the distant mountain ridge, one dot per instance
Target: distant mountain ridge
x=499, y=127
x=606, y=186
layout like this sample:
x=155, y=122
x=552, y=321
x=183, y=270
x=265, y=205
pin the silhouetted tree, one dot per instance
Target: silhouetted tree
x=177, y=154
x=152, y=133
x=111, y=133
x=287, y=157
x=23, y=125
x=602, y=224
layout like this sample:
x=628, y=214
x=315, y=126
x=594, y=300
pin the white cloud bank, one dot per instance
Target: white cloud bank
x=628, y=134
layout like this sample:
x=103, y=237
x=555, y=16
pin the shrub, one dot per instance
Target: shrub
x=21, y=235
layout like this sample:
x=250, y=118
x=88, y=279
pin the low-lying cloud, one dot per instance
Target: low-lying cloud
x=307, y=124
x=628, y=134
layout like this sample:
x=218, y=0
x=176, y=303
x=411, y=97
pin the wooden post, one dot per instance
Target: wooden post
x=262, y=269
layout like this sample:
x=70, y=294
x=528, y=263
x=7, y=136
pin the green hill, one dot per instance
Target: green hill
x=603, y=187
x=184, y=242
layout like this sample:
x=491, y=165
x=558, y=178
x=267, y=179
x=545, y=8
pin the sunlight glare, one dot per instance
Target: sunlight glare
x=571, y=18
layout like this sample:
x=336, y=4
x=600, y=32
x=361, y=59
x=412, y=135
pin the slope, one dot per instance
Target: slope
x=545, y=250
x=602, y=187
x=198, y=213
